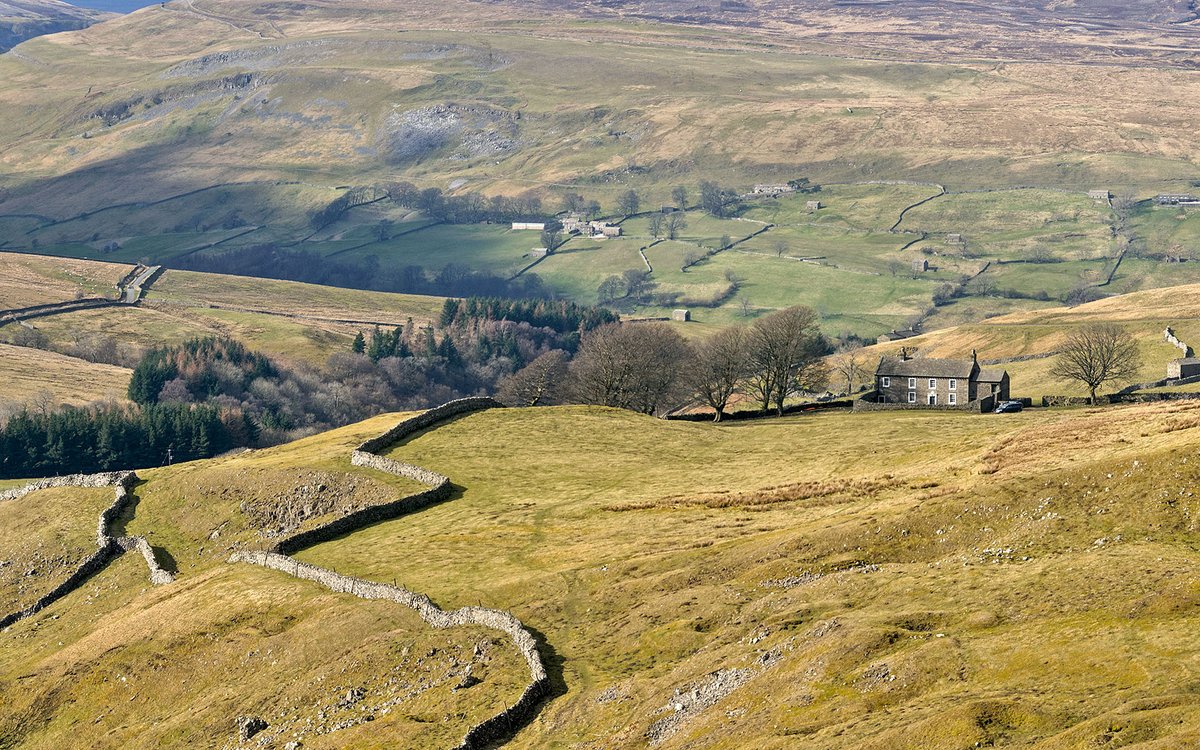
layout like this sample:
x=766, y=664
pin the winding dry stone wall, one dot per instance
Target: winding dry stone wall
x=1170, y=337
x=366, y=455
x=108, y=547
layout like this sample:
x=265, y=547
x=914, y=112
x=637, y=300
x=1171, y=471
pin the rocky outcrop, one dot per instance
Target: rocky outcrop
x=366, y=455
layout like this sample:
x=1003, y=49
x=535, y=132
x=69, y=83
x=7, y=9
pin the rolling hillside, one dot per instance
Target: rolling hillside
x=885, y=581
x=288, y=101
x=1025, y=342
x=25, y=19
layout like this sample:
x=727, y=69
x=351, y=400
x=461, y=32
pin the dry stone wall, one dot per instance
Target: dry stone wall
x=366, y=455
x=108, y=547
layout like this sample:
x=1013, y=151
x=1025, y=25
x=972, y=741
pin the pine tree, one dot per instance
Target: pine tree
x=360, y=344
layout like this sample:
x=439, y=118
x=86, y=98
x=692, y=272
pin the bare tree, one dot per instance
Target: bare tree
x=676, y=222
x=637, y=366
x=680, y=196
x=638, y=284
x=895, y=266
x=551, y=239
x=850, y=366
x=785, y=350
x=610, y=290
x=745, y=306
x=656, y=225
x=781, y=248
x=628, y=203
x=1098, y=353
x=722, y=362
x=44, y=402
x=572, y=203
x=538, y=383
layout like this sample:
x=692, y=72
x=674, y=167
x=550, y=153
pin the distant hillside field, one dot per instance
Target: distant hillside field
x=1025, y=342
x=889, y=581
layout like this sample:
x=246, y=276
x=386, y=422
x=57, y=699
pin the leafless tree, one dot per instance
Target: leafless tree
x=676, y=223
x=850, y=366
x=638, y=284
x=637, y=366
x=781, y=248
x=538, y=383
x=628, y=203
x=680, y=196
x=745, y=306
x=895, y=266
x=722, y=363
x=785, y=350
x=656, y=225
x=44, y=402
x=1098, y=353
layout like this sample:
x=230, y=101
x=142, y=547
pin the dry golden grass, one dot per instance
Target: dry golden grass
x=26, y=373
x=43, y=538
x=27, y=280
x=929, y=605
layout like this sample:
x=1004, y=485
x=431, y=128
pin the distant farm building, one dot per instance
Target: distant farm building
x=920, y=265
x=1100, y=196
x=682, y=316
x=954, y=238
x=902, y=382
x=773, y=189
x=895, y=336
x=813, y=205
x=1176, y=199
x=1184, y=367
x=536, y=226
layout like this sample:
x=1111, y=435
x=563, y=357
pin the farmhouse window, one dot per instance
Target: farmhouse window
x=932, y=384
x=886, y=383
x=953, y=397
x=953, y=384
x=912, y=382
x=912, y=397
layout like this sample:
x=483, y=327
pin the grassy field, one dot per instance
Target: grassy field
x=26, y=373
x=958, y=587
x=27, y=280
x=50, y=532
x=909, y=566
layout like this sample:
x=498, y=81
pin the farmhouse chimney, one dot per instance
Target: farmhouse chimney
x=974, y=358
x=904, y=354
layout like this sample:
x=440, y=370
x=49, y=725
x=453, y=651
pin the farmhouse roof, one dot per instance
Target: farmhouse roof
x=926, y=368
x=992, y=376
x=1188, y=360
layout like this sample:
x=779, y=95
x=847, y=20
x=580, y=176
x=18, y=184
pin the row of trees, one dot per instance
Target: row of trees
x=89, y=440
x=649, y=367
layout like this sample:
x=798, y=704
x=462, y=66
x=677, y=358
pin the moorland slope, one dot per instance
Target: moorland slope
x=884, y=581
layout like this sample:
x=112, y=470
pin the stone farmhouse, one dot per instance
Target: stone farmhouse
x=595, y=229
x=924, y=382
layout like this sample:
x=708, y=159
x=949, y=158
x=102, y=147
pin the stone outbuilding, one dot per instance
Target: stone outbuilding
x=682, y=316
x=813, y=205
x=1184, y=367
x=920, y=265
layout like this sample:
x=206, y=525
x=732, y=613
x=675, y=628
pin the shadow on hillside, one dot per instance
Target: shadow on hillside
x=165, y=560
